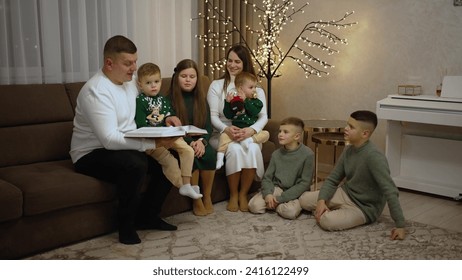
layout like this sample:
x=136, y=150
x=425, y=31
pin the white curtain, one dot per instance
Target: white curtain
x=164, y=32
x=53, y=41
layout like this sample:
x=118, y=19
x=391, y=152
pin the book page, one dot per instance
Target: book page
x=155, y=132
x=170, y=131
x=191, y=129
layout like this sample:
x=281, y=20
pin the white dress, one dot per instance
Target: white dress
x=236, y=157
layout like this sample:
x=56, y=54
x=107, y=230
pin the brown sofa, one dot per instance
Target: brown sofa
x=44, y=203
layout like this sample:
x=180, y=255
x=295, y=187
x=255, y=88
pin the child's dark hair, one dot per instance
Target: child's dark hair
x=365, y=116
x=294, y=121
x=148, y=69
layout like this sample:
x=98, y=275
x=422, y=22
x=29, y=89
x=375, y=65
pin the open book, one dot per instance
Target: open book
x=170, y=131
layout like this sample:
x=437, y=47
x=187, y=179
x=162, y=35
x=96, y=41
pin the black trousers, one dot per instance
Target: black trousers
x=128, y=170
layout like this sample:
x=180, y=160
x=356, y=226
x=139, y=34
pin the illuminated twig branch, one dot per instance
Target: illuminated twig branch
x=268, y=55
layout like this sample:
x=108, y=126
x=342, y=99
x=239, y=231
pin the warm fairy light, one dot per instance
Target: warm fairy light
x=268, y=55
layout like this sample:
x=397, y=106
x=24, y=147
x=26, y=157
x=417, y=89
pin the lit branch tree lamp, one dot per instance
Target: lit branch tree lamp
x=265, y=49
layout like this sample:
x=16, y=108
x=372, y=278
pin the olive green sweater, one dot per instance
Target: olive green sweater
x=291, y=170
x=367, y=182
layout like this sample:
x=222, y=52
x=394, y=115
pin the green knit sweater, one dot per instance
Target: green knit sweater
x=367, y=182
x=252, y=108
x=157, y=107
x=292, y=171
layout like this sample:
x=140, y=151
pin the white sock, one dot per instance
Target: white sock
x=187, y=190
x=246, y=142
x=220, y=159
x=196, y=188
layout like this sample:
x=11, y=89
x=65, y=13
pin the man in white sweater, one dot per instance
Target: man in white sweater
x=105, y=111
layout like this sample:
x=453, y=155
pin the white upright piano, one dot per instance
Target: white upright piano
x=424, y=140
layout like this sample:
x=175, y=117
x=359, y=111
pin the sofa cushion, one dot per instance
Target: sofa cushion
x=36, y=123
x=73, y=90
x=10, y=201
x=35, y=143
x=55, y=185
x=34, y=104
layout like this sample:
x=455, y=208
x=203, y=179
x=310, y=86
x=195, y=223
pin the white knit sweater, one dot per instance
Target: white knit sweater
x=104, y=112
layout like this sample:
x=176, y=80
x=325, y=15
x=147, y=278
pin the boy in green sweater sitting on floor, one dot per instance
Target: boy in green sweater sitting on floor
x=360, y=184
x=289, y=173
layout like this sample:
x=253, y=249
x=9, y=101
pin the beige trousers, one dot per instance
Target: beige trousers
x=288, y=210
x=169, y=163
x=343, y=213
x=259, y=138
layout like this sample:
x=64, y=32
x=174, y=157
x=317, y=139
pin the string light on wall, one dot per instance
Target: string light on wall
x=313, y=41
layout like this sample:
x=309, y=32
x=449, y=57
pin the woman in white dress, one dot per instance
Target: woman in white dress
x=243, y=165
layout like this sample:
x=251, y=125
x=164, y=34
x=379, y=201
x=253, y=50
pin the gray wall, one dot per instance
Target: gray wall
x=395, y=42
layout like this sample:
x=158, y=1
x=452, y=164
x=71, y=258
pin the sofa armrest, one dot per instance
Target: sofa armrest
x=273, y=128
x=272, y=144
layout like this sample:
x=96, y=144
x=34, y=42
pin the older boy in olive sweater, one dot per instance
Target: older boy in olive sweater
x=367, y=185
x=289, y=173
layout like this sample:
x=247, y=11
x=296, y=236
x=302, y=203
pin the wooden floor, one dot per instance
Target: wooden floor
x=429, y=209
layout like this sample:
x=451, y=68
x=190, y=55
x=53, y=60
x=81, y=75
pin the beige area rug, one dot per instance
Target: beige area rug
x=225, y=235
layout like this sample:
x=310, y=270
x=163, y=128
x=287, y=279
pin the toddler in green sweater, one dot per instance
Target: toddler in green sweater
x=242, y=107
x=152, y=109
x=289, y=173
